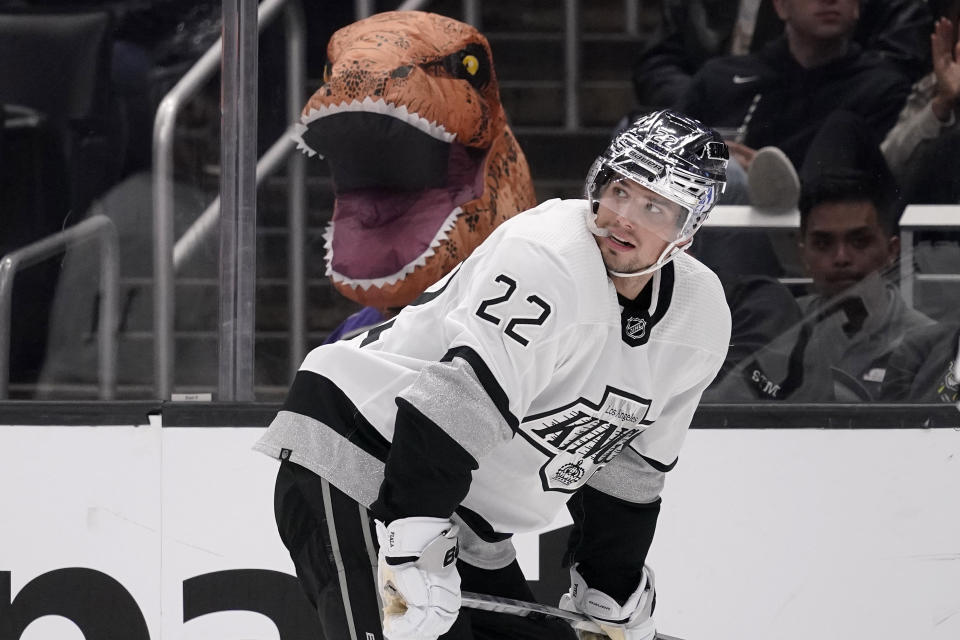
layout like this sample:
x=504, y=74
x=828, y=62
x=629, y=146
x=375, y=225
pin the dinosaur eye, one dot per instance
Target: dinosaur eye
x=327, y=72
x=471, y=64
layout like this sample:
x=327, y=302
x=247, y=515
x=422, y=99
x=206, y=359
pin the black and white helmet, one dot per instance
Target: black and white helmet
x=672, y=155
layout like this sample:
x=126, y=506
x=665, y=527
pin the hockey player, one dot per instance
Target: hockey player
x=559, y=364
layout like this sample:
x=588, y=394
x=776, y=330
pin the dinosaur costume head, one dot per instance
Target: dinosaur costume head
x=424, y=165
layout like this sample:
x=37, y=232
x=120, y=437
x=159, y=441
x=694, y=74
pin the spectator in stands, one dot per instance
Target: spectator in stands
x=926, y=138
x=693, y=31
x=781, y=95
x=761, y=309
x=855, y=318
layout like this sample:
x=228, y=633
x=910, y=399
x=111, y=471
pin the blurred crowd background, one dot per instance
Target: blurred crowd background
x=837, y=240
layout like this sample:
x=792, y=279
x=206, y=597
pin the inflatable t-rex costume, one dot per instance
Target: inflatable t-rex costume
x=424, y=165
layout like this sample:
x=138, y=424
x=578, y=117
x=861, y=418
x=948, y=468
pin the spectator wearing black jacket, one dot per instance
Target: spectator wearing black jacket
x=694, y=31
x=781, y=95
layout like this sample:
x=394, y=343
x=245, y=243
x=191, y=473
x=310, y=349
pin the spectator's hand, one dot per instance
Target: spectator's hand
x=945, y=49
x=741, y=153
x=417, y=577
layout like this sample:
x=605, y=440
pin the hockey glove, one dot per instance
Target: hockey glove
x=417, y=577
x=631, y=621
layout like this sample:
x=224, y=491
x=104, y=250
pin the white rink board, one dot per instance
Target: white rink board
x=82, y=497
x=799, y=534
x=787, y=534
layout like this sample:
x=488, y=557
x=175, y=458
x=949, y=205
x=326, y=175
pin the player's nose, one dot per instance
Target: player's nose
x=624, y=221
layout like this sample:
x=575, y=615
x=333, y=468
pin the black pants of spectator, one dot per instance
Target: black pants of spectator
x=332, y=542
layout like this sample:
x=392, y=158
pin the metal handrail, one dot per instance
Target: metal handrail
x=571, y=49
x=363, y=8
x=164, y=264
x=297, y=187
x=104, y=230
x=413, y=5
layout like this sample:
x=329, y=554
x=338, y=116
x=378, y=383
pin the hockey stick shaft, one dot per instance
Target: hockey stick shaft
x=528, y=610
x=525, y=609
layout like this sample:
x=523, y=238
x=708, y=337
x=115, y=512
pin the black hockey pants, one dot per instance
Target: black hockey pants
x=332, y=543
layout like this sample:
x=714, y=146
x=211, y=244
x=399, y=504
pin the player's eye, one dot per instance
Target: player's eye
x=471, y=64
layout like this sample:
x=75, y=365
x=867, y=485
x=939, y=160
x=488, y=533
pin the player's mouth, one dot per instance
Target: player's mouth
x=619, y=243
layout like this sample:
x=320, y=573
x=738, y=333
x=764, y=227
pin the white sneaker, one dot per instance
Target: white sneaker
x=772, y=181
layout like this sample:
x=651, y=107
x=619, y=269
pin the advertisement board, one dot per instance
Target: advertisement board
x=167, y=533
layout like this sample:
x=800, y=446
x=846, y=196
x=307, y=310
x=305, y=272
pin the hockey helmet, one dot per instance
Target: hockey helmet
x=671, y=155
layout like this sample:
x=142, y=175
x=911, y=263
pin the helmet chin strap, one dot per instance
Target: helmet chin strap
x=672, y=249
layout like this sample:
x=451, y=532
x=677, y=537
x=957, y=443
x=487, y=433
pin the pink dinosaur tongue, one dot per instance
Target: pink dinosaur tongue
x=377, y=232
x=403, y=230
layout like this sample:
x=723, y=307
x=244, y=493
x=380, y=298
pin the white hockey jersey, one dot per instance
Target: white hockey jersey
x=528, y=358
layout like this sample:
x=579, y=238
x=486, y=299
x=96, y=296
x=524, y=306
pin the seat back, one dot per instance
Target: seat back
x=56, y=63
x=59, y=151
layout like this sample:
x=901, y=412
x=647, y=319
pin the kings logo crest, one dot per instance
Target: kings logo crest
x=579, y=438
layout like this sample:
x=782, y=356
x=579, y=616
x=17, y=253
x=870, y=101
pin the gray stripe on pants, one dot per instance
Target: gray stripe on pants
x=337, y=558
x=372, y=552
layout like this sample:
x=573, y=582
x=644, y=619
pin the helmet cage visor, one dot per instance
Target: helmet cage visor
x=644, y=208
x=666, y=176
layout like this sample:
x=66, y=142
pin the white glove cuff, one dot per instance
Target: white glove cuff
x=600, y=606
x=409, y=536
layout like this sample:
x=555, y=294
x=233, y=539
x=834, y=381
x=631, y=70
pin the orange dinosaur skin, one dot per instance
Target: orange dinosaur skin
x=422, y=61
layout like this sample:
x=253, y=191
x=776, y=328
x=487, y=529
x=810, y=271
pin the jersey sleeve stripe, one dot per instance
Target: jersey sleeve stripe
x=312, y=445
x=659, y=466
x=487, y=381
x=630, y=477
x=452, y=397
x=317, y=397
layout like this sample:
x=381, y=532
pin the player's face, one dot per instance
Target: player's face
x=819, y=19
x=641, y=224
x=843, y=243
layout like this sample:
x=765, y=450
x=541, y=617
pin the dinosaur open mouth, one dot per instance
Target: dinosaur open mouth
x=399, y=181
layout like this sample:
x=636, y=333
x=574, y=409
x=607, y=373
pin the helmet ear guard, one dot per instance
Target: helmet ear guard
x=598, y=177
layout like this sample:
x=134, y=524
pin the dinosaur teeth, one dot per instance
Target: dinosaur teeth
x=419, y=261
x=297, y=136
x=369, y=105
